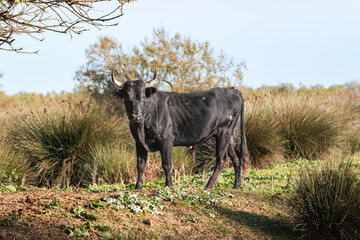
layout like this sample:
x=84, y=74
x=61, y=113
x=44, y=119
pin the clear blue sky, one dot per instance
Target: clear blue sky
x=304, y=42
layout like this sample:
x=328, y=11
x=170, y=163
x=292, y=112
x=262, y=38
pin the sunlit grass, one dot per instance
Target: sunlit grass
x=326, y=201
x=58, y=140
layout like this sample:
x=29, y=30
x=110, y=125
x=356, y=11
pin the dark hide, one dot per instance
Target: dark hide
x=161, y=120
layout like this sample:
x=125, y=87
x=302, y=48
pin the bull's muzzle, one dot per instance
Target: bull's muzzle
x=135, y=118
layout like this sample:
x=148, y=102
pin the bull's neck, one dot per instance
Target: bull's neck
x=150, y=109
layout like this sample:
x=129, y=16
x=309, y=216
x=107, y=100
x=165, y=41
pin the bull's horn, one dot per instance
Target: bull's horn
x=115, y=81
x=149, y=83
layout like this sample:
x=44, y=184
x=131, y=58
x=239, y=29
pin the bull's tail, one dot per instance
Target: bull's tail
x=243, y=154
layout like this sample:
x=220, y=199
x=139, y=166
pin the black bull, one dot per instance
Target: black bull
x=160, y=120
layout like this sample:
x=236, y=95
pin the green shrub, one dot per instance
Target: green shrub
x=59, y=139
x=327, y=202
x=309, y=127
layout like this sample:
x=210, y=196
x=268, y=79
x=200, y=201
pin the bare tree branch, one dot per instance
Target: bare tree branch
x=33, y=17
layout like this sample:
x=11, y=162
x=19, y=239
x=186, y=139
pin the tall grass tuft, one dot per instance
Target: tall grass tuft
x=5, y=120
x=183, y=161
x=352, y=141
x=262, y=124
x=13, y=167
x=205, y=156
x=309, y=127
x=112, y=164
x=327, y=202
x=59, y=139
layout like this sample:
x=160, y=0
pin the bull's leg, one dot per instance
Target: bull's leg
x=222, y=143
x=166, y=156
x=236, y=163
x=141, y=162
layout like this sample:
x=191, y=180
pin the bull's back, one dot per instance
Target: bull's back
x=197, y=116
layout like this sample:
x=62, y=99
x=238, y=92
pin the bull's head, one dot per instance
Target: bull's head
x=134, y=94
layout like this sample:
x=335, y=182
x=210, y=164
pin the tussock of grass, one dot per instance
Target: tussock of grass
x=263, y=132
x=205, y=156
x=310, y=129
x=13, y=167
x=112, y=164
x=327, y=202
x=352, y=141
x=58, y=140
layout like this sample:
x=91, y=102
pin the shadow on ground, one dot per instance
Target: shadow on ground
x=275, y=228
x=32, y=231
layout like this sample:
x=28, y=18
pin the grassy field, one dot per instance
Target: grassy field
x=61, y=155
x=259, y=210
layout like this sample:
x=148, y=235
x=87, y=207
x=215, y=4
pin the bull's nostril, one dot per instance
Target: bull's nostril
x=135, y=118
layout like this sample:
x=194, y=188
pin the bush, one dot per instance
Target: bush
x=58, y=140
x=327, y=202
x=309, y=127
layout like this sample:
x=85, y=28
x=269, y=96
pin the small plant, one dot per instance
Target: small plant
x=222, y=193
x=189, y=218
x=209, y=211
x=102, y=228
x=55, y=203
x=129, y=200
x=95, y=188
x=76, y=231
x=7, y=221
x=327, y=202
x=79, y=212
x=83, y=230
x=10, y=188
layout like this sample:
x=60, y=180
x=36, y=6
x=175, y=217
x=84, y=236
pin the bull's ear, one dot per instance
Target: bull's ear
x=150, y=91
x=119, y=93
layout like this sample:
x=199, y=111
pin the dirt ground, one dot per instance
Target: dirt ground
x=31, y=215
